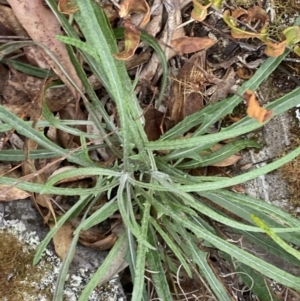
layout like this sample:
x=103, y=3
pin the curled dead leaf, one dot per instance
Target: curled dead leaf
x=254, y=109
x=135, y=6
x=67, y=7
x=254, y=13
x=244, y=73
x=235, y=118
x=257, y=13
x=237, y=32
x=237, y=13
x=8, y=193
x=132, y=41
x=191, y=44
x=103, y=244
x=275, y=49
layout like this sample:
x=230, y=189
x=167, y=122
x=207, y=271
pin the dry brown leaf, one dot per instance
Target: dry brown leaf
x=228, y=161
x=9, y=23
x=19, y=89
x=42, y=26
x=155, y=24
x=92, y=235
x=132, y=41
x=254, y=109
x=62, y=239
x=239, y=188
x=153, y=122
x=244, y=72
x=246, y=166
x=275, y=49
x=152, y=70
x=192, y=103
x=237, y=13
x=119, y=264
x=103, y=244
x=138, y=59
x=239, y=33
x=257, y=13
x=8, y=193
x=135, y=6
x=67, y=7
x=186, y=94
x=222, y=87
x=191, y=44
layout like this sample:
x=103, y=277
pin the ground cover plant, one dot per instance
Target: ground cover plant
x=144, y=170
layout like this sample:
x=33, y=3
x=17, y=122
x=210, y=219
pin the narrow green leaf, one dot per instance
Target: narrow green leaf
x=219, y=155
x=254, y=281
x=244, y=126
x=59, y=288
x=25, y=129
x=244, y=200
x=224, y=182
x=29, y=69
x=269, y=246
x=153, y=42
x=82, y=171
x=99, y=216
x=102, y=270
x=34, y=187
x=157, y=271
x=139, y=281
x=242, y=256
x=125, y=207
x=172, y=246
x=275, y=237
x=199, y=258
x=212, y=213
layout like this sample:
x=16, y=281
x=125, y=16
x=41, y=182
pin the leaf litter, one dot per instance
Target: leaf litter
x=202, y=72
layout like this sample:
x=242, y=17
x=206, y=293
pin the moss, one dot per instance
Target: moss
x=18, y=276
x=291, y=174
x=244, y=3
